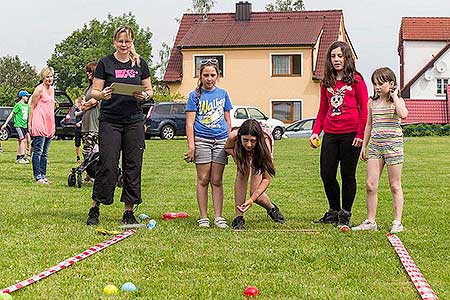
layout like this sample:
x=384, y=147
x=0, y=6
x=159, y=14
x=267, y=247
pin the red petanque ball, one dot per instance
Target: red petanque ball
x=251, y=291
x=345, y=229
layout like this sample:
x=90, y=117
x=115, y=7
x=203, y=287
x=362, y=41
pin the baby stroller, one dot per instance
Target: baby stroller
x=89, y=165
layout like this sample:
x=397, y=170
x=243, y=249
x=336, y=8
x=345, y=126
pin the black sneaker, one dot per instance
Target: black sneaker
x=94, y=213
x=344, y=218
x=128, y=217
x=238, y=223
x=330, y=217
x=276, y=215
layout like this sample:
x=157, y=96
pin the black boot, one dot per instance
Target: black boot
x=94, y=213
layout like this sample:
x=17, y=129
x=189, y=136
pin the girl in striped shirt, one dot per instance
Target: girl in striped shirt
x=384, y=138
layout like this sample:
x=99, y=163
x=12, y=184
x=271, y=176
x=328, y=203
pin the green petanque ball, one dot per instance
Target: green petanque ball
x=5, y=297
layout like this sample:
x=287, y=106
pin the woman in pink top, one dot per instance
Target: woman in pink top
x=41, y=123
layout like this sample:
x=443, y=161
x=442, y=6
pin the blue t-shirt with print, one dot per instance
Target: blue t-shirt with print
x=209, y=118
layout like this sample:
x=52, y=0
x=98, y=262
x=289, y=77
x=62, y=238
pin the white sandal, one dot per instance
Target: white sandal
x=204, y=222
x=220, y=222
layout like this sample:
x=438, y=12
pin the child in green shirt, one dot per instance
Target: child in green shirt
x=21, y=112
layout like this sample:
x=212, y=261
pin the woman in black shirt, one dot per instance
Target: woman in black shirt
x=121, y=128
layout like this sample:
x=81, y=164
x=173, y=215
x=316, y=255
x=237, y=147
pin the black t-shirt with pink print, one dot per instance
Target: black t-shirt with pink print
x=121, y=109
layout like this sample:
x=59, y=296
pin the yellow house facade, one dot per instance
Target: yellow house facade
x=266, y=70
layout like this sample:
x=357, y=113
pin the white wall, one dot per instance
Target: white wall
x=426, y=89
x=417, y=54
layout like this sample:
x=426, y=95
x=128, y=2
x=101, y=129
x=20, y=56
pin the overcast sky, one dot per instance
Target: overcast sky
x=32, y=28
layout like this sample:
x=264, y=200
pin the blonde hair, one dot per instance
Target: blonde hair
x=46, y=71
x=134, y=56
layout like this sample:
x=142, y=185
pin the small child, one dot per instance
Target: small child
x=252, y=150
x=207, y=126
x=384, y=136
x=20, y=112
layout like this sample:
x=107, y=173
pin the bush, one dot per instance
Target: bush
x=426, y=130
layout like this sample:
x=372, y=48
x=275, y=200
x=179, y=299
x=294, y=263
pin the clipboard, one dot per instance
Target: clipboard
x=126, y=89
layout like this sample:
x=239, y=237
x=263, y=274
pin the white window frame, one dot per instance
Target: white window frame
x=442, y=84
x=288, y=53
x=285, y=100
x=208, y=54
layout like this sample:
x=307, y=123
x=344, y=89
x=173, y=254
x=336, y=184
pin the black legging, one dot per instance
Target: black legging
x=338, y=148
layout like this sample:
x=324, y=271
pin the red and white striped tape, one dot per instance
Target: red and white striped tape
x=68, y=262
x=412, y=269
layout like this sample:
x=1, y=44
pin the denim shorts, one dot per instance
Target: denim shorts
x=210, y=150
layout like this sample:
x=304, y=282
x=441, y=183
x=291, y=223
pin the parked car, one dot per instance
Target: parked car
x=9, y=131
x=165, y=119
x=65, y=129
x=300, y=129
x=241, y=113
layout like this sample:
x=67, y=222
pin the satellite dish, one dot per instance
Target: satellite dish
x=441, y=66
x=428, y=75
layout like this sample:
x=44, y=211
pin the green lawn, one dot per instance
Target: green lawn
x=43, y=225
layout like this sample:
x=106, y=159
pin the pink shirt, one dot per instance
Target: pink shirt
x=43, y=118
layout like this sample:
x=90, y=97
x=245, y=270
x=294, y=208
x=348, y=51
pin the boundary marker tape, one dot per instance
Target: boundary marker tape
x=69, y=262
x=412, y=269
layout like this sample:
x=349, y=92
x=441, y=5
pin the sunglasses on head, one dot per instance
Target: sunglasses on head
x=206, y=61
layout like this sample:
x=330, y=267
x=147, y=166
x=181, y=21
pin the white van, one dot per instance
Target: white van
x=241, y=113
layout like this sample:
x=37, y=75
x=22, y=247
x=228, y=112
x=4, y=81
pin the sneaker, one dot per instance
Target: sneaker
x=330, y=217
x=22, y=161
x=94, y=213
x=366, y=225
x=128, y=217
x=41, y=181
x=238, y=223
x=396, y=227
x=276, y=215
x=203, y=222
x=220, y=222
x=344, y=218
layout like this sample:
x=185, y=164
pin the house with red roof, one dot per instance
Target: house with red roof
x=424, y=50
x=272, y=60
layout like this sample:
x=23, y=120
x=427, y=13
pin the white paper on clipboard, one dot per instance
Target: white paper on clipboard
x=126, y=89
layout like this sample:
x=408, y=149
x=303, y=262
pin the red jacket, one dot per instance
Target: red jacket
x=343, y=109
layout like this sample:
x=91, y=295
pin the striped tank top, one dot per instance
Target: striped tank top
x=385, y=122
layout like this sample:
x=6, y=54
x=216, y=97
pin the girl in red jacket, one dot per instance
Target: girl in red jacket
x=342, y=116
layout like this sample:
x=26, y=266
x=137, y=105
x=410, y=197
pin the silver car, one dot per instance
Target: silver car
x=300, y=129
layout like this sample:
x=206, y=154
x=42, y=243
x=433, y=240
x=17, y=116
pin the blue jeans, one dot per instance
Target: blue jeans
x=39, y=159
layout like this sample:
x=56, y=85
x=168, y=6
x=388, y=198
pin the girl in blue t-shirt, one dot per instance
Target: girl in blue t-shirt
x=208, y=124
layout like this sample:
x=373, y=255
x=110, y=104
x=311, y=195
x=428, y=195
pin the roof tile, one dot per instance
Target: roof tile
x=263, y=29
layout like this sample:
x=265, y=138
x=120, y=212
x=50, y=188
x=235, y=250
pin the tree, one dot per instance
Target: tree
x=164, y=55
x=90, y=43
x=286, y=5
x=202, y=6
x=15, y=75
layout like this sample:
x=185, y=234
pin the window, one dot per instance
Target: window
x=442, y=84
x=287, y=111
x=240, y=113
x=199, y=58
x=177, y=108
x=256, y=114
x=287, y=65
x=162, y=109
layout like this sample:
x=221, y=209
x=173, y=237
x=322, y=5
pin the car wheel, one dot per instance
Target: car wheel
x=167, y=132
x=4, y=134
x=277, y=133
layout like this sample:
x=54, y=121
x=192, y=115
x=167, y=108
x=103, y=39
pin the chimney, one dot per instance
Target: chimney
x=243, y=11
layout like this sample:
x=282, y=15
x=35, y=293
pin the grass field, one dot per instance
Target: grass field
x=43, y=225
